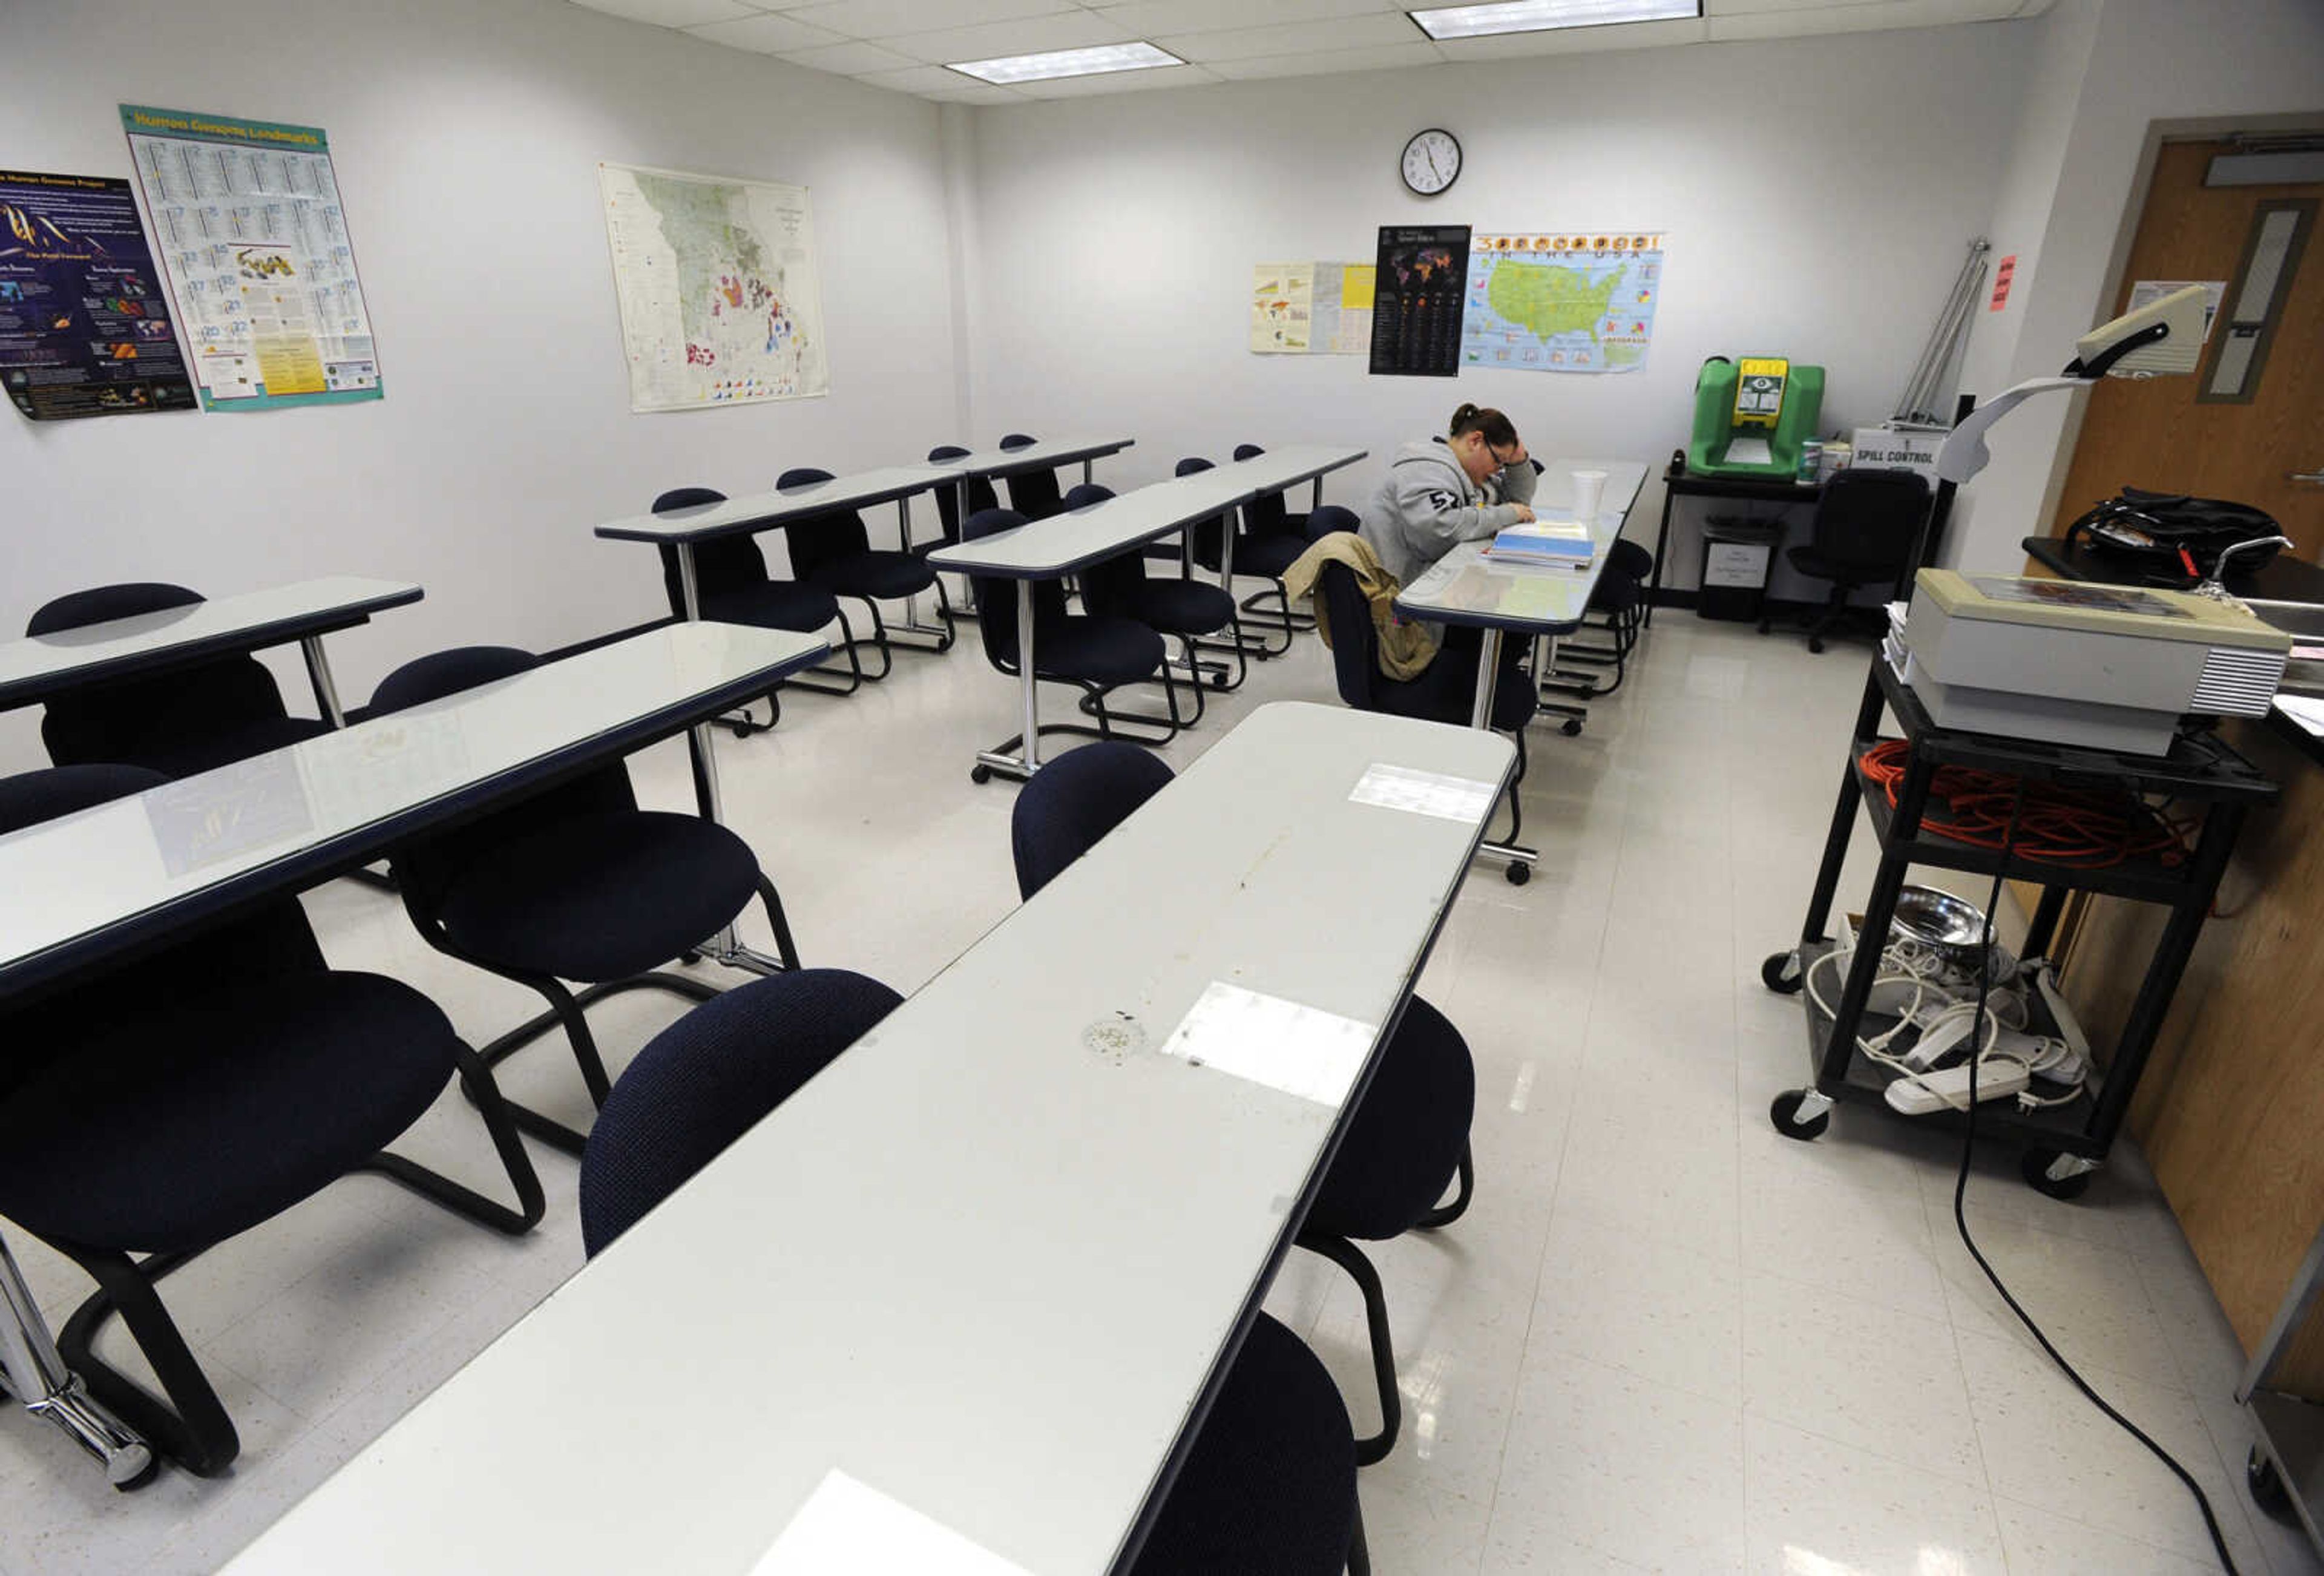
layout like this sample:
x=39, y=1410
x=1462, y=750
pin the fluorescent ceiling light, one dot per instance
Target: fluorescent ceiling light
x=1089, y=62
x=1448, y=22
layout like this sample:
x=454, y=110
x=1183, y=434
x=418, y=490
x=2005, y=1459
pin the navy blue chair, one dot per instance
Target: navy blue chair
x=1272, y=543
x=980, y=497
x=1405, y=1143
x=1445, y=691
x=1171, y=605
x=575, y=882
x=1032, y=494
x=178, y=722
x=157, y=1112
x=731, y=586
x=709, y=1078
x=1619, y=602
x=1329, y=519
x=834, y=551
x=1097, y=654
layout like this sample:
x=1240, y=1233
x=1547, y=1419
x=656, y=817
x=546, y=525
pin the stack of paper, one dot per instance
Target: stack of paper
x=1893, y=644
x=1557, y=543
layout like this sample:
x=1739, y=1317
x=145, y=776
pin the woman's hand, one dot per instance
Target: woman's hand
x=1525, y=515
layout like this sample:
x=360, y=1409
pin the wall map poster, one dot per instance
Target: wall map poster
x=84, y=326
x=1563, y=302
x=1416, y=300
x=253, y=242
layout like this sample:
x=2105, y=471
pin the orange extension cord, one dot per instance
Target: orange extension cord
x=2059, y=825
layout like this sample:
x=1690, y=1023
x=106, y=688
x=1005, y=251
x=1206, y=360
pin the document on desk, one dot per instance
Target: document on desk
x=1423, y=793
x=1283, y=1045
x=847, y=1527
x=2305, y=710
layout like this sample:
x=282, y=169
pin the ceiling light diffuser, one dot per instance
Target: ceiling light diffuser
x=1089, y=62
x=1451, y=21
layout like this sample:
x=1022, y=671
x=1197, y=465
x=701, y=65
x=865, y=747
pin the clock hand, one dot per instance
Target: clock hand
x=1433, y=170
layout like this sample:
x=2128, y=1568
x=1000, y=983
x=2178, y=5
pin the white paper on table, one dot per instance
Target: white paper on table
x=849, y=1528
x=1423, y=793
x=2308, y=712
x=1266, y=1040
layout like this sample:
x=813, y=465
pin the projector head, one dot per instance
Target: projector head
x=2161, y=338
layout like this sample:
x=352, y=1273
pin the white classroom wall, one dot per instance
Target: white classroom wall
x=466, y=135
x=2109, y=69
x=1818, y=195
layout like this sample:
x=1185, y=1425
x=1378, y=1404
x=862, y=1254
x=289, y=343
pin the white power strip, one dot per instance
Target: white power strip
x=1921, y=1095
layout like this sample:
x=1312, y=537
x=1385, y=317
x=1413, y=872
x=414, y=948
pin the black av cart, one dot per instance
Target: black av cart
x=2063, y=1143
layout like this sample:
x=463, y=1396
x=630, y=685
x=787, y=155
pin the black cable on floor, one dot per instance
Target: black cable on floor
x=1961, y=1218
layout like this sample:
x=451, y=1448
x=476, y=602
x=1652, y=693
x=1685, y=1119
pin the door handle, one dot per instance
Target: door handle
x=2317, y=476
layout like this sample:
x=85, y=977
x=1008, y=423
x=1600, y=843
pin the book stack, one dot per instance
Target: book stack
x=1556, y=544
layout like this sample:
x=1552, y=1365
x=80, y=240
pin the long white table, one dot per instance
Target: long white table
x=89, y=891
x=994, y=1261
x=1466, y=586
x=1047, y=549
x=37, y=667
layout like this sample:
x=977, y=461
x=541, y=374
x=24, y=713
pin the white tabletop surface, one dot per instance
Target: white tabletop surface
x=72, y=877
x=1288, y=467
x=1056, y=451
x=984, y=1263
x=1065, y=542
x=763, y=511
x=1465, y=586
x=44, y=657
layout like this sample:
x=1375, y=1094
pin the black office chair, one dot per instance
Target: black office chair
x=160, y=1110
x=1168, y=604
x=1618, y=601
x=178, y=722
x=1407, y=1140
x=709, y=1078
x=575, y=882
x=1329, y=519
x=1032, y=494
x=835, y=552
x=1275, y=539
x=1445, y=691
x=980, y=497
x=731, y=585
x=1868, y=526
x=1098, y=654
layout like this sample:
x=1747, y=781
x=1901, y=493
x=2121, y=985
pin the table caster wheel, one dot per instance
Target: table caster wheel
x=1785, y=1112
x=1815, y=644
x=1519, y=873
x=1571, y=728
x=1781, y=973
x=979, y=773
x=2267, y=1489
x=2035, y=1169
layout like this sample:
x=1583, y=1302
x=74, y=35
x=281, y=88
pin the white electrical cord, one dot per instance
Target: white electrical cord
x=1926, y=1001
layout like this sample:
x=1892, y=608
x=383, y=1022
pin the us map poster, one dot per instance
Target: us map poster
x=84, y=326
x=1416, y=295
x=1567, y=301
x=253, y=243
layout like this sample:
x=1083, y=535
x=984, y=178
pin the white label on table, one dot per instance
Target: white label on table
x=1423, y=793
x=2308, y=713
x=848, y=1528
x=1299, y=1050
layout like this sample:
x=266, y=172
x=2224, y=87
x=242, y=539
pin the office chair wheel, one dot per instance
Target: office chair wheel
x=1785, y=1113
x=980, y=774
x=2034, y=1167
x=1780, y=973
x=1519, y=873
x=2267, y=1489
x=1571, y=727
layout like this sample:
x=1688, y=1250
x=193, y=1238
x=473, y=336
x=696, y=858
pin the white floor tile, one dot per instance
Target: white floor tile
x=1629, y=1302
x=1810, y=1505
x=2040, y=1543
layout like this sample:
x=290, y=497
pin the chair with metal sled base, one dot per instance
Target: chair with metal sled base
x=156, y=1113
x=731, y=585
x=1174, y=606
x=834, y=552
x=574, y=883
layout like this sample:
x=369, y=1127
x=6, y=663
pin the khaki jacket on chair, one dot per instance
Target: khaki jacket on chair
x=1406, y=648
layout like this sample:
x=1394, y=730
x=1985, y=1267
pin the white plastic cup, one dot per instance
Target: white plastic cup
x=1589, y=492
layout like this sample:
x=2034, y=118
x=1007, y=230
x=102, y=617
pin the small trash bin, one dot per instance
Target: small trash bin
x=1736, y=553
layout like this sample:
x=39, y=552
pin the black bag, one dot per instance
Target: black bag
x=2164, y=530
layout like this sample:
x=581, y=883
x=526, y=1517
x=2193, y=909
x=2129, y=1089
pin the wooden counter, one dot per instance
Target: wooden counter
x=2230, y=1111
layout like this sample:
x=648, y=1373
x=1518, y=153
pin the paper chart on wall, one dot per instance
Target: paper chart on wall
x=1311, y=308
x=252, y=240
x=1570, y=301
x=716, y=283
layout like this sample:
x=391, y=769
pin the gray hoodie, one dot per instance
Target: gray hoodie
x=1428, y=505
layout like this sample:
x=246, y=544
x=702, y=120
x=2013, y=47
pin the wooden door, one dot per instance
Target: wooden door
x=2154, y=433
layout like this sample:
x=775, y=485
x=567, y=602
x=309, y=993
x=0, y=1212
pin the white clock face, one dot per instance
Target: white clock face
x=1432, y=160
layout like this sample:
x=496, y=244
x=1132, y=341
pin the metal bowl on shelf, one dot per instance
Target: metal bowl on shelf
x=1948, y=925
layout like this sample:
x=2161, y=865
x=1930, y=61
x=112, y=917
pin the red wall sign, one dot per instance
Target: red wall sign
x=2002, y=273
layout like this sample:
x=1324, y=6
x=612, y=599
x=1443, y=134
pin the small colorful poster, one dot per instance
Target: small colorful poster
x=84, y=326
x=1416, y=300
x=253, y=243
x=1566, y=302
